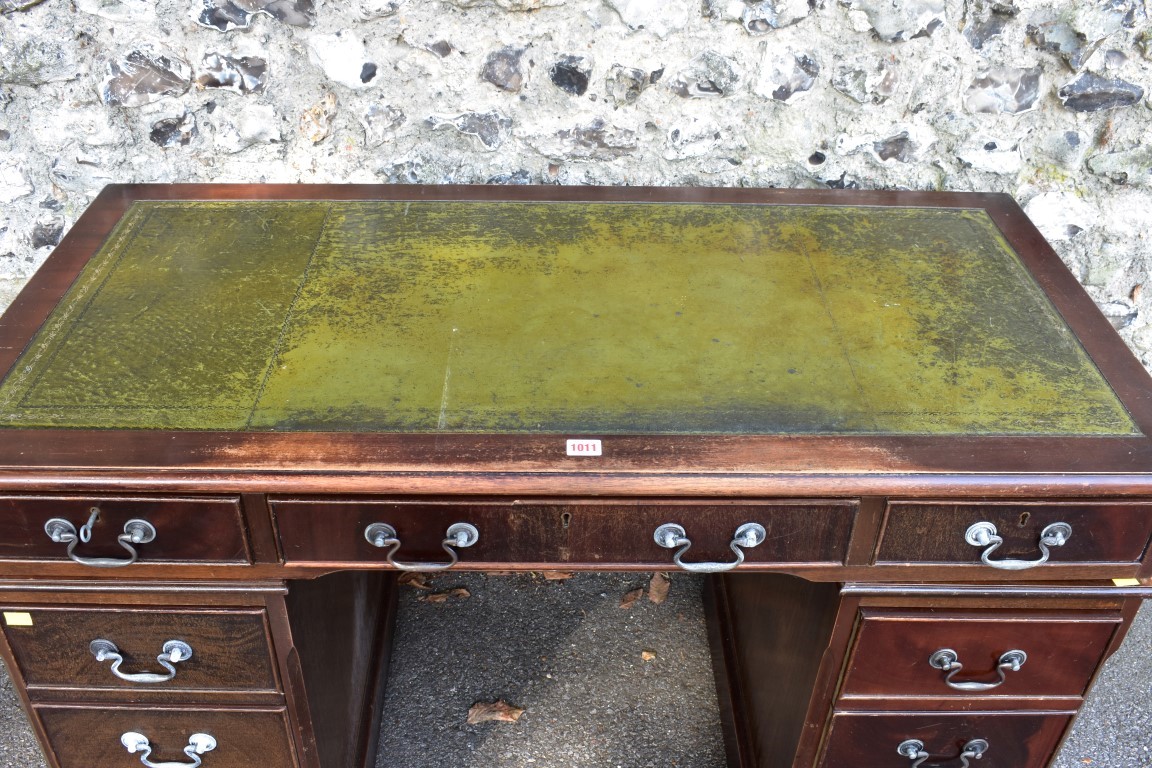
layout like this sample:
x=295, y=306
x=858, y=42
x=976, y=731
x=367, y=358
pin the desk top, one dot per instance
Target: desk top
x=506, y=312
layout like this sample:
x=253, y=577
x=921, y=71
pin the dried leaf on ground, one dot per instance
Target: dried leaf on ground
x=658, y=587
x=500, y=711
x=647, y=655
x=443, y=597
x=414, y=580
x=556, y=575
x=631, y=597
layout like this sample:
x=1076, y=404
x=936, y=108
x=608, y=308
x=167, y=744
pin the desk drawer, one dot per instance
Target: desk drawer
x=230, y=651
x=1013, y=740
x=333, y=531
x=890, y=658
x=600, y=534
x=187, y=530
x=796, y=532
x=90, y=737
x=1102, y=533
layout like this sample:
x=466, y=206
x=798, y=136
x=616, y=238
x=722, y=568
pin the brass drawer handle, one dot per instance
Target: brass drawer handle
x=458, y=535
x=173, y=652
x=983, y=534
x=671, y=535
x=136, y=531
x=946, y=660
x=913, y=749
x=198, y=744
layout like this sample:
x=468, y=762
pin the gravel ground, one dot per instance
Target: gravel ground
x=18, y=747
x=573, y=659
x=1114, y=729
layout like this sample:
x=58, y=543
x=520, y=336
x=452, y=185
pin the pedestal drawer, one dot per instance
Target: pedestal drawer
x=1113, y=533
x=901, y=654
x=91, y=737
x=230, y=651
x=187, y=530
x=1010, y=740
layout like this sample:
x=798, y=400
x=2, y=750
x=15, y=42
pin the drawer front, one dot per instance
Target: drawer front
x=1112, y=533
x=89, y=737
x=230, y=650
x=1014, y=740
x=321, y=531
x=796, y=533
x=890, y=658
x=188, y=530
x=582, y=533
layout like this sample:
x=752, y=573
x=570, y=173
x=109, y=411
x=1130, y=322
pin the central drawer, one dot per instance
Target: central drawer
x=230, y=652
x=601, y=534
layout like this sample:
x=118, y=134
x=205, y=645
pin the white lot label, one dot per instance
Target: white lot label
x=584, y=448
x=17, y=619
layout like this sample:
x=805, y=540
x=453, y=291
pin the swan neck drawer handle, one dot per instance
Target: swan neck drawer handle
x=173, y=652
x=946, y=660
x=983, y=534
x=136, y=532
x=671, y=536
x=913, y=749
x=459, y=535
x=198, y=744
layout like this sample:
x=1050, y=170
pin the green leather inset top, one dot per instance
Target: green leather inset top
x=558, y=317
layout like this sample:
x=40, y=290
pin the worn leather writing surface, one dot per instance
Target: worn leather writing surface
x=558, y=317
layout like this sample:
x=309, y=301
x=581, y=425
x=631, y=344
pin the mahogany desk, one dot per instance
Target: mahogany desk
x=911, y=449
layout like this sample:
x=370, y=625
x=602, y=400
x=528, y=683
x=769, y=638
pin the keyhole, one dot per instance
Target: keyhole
x=1024, y=518
x=566, y=519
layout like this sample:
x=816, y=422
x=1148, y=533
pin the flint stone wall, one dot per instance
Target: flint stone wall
x=1047, y=101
